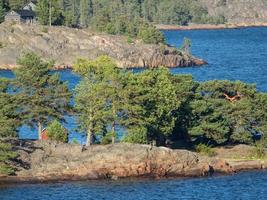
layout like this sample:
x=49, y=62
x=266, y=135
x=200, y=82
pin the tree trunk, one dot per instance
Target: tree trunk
x=40, y=130
x=89, y=139
x=113, y=133
x=50, y=13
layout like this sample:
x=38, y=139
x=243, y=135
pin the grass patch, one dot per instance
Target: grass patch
x=205, y=150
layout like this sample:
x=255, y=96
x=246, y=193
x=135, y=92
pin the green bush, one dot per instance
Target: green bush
x=130, y=40
x=106, y=140
x=136, y=136
x=150, y=35
x=55, y=131
x=1, y=45
x=259, y=151
x=205, y=150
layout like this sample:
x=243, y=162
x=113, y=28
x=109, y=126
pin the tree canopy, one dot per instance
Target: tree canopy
x=42, y=95
x=155, y=105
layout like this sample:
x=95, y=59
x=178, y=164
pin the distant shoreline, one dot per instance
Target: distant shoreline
x=164, y=27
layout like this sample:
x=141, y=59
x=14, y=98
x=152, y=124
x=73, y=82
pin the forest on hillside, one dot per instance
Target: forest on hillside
x=116, y=14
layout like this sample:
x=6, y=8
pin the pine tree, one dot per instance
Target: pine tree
x=9, y=120
x=42, y=10
x=43, y=97
x=16, y=4
x=84, y=13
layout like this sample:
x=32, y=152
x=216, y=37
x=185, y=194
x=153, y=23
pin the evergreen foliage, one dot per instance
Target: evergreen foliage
x=55, y=131
x=155, y=105
x=6, y=154
x=9, y=120
x=42, y=96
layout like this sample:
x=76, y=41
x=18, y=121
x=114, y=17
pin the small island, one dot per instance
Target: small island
x=173, y=126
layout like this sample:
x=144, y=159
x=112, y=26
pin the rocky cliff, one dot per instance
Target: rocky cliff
x=50, y=161
x=246, y=12
x=65, y=45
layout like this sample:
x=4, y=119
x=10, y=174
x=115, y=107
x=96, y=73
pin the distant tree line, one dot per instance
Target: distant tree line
x=128, y=17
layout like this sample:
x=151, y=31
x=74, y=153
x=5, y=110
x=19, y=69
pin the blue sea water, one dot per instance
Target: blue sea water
x=234, y=54
x=243, y=186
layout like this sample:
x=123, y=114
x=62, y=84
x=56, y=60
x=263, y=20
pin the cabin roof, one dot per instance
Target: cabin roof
x=25, y=13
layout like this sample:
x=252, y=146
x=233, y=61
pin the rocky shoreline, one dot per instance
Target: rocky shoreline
x=49, y=161
x=209, y=26
x=65, y=45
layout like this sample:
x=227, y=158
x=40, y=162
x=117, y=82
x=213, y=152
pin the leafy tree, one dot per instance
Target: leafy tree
x=90, y=105
x=16, y=4
x=158, y=101
x=43, y=97
x=218, y=119
x=55, y=131
x=104, y=79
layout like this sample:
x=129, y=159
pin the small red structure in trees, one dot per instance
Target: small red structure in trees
x=44, y=135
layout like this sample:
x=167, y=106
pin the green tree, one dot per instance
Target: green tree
x=103, y=75
x=48, y=12
x=9, y=120
x=90, y=105
x=158, y=101
x=43, y=97
x=186, y=46
x=16, y=4
x=42, y=10
x=84, y=12
x=55, y=131
x=90, y=101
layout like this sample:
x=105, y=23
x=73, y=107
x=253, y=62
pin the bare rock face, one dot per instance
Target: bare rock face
x=65, y=45
x=50, y=161
x=245, y=12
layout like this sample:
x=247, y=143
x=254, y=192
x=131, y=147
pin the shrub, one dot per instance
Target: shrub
x=136, y=136
x=130, y=40
x=259, y=151
x=150, y=35
x=205, y=149
x=55, y=131
x=106, y=140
